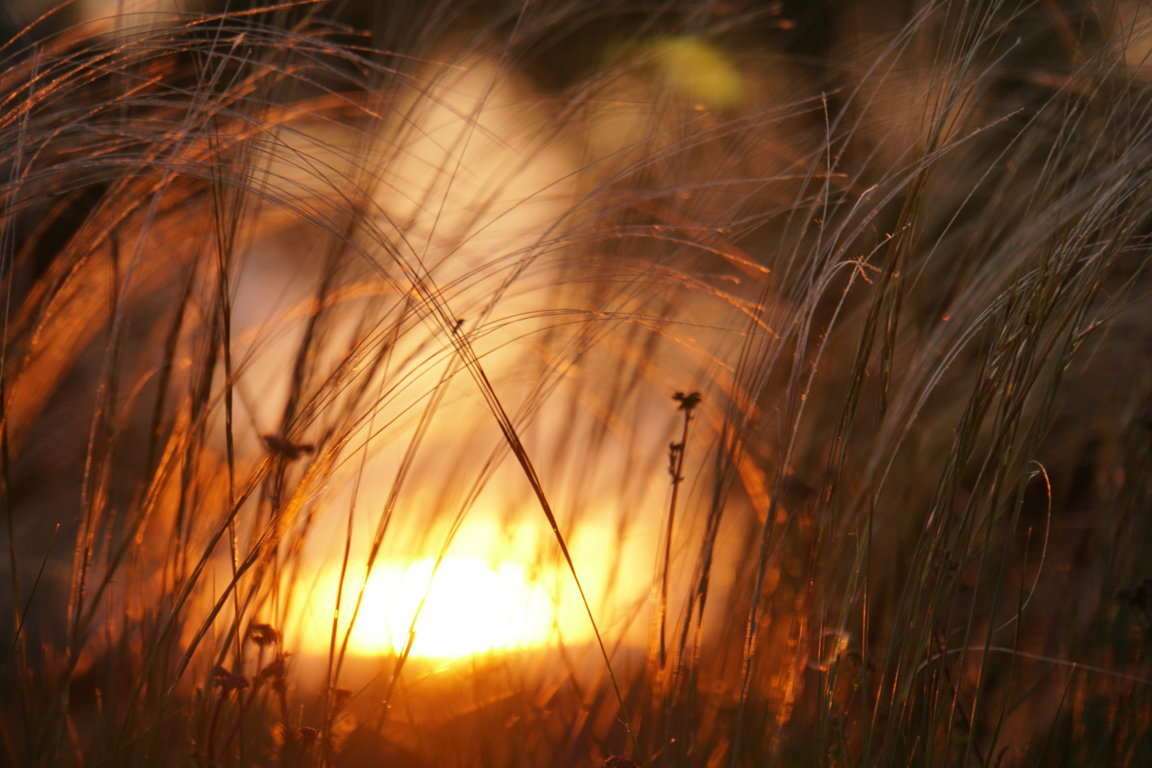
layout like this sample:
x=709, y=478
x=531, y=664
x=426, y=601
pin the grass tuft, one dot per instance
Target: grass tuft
x=576, y=383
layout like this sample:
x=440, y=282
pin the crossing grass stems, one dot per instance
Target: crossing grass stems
x=841, y=310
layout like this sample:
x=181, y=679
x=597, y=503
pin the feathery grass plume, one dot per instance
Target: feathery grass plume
x=575, y=383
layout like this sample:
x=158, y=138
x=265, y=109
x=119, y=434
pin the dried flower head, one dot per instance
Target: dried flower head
x=274, y=670
x=263, y=634
x=228, y=681
x=688, y=402
x=285, y=448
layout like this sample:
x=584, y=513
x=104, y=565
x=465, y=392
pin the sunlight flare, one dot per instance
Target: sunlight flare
x=466, y=606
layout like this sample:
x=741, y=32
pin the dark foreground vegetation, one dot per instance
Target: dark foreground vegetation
x=834, y=316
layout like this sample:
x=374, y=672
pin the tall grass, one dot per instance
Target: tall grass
x=800, y=351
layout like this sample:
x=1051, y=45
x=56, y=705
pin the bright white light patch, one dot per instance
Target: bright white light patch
x=467, y=606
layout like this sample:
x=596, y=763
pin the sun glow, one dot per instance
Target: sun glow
x=466, y=606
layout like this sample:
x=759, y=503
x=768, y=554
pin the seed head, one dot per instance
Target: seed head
x=688, y=402
x=285, y=448
x=228, y=681
x=263, y=634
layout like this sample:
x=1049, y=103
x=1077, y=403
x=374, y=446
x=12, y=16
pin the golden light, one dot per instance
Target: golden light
x=466, y=606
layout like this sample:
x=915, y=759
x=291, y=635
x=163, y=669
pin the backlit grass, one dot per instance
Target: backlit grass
x=576, y=383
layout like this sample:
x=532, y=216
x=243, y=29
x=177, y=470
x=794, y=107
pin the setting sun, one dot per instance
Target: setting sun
x=466, y=606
